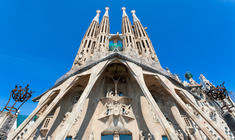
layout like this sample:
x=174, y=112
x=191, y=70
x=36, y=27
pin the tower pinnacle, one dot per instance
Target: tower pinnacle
x=96, y=18
x=106, y=11
x=124, y=12
x=135, y=18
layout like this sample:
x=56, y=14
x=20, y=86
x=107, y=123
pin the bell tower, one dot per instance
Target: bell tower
x=143, y=42
x=88, y=42
x=128, y=34
x=102, y=45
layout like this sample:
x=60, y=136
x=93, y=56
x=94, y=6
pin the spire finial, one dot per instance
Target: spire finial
x=98, y=11
x=133, y=11
x=124, y=12
x=134, y=16
x=96, y=18
x=106, y=11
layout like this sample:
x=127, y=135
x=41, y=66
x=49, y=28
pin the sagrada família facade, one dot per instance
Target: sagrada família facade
x=117, y=87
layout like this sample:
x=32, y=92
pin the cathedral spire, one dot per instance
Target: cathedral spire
x=103, y=33
x=124, y=12
x=96, y=18
x=143, y=42
x=128, y=33
x=135, y=18
x=88, y=42
x=106, y=12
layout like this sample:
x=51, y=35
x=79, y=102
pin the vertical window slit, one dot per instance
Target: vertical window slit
x=88, y=46
x=85, y=44
x=143, y=45
x=126, y=39
x=104, y=39
x=101, y=39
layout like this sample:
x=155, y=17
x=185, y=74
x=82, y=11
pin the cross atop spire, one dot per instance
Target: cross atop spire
x=124, y=12
x=106, y=12
x=135, y=18
x=96, y=18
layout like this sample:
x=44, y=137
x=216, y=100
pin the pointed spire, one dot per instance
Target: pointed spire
x=205, y=83
x=135, y=18
x=124, y=12
x=96, y=18
x=106, y=12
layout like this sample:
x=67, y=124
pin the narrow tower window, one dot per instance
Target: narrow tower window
x=101, y=39
x=143, y=45
x=147, y=43
x=104, y=39
x=130, y=39
x=127, y=40
x=93, y=46
x=85, y=44
x=88, y=46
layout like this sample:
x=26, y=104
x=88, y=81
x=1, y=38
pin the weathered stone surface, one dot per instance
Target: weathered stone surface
x=230, y=120
x=6, y=124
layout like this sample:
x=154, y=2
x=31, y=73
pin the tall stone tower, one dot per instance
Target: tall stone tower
x=117, y=89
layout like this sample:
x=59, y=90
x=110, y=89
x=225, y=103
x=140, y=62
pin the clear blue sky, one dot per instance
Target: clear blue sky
x=39, y=38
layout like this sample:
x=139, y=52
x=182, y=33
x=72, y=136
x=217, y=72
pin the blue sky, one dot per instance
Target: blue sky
x=39, y=39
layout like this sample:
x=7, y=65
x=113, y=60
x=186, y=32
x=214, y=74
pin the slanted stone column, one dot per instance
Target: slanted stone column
x=137, y=73
x=177, y=116
x=96, y=71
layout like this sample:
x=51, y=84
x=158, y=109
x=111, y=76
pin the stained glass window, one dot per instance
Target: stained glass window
x=115, y=46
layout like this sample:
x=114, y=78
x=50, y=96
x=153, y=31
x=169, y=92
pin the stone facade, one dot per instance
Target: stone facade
x=7, y=121
x=117, y=87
